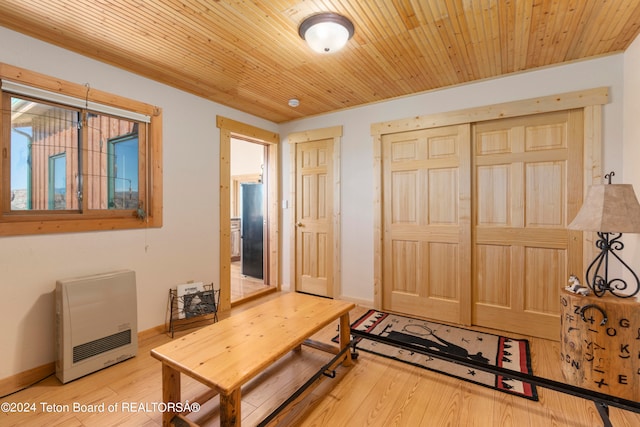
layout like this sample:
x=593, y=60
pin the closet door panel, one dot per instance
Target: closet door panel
x=521, y=208
x=426, y=187
x=493, y=269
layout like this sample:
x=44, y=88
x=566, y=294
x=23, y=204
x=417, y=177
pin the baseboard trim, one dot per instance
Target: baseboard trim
x=22, y=380
x=151, y=332
x=25, y=379
x=361, y=302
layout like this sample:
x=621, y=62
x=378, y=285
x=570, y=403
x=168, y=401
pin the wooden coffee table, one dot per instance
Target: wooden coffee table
x=227, y=354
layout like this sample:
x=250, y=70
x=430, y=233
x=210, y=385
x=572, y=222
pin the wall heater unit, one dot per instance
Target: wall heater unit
x=96, y=323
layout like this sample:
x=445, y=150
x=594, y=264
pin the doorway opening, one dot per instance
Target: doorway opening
x=249, y=249
x=270, y=171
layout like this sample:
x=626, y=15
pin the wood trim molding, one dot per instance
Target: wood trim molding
x=545, y=104
x=378, y=209
x=245, y=131
x=314, y=135
x=593, y=151
x=154, y=164
x=75, y=90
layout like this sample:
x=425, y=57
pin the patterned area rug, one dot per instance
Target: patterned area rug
x=504, y=352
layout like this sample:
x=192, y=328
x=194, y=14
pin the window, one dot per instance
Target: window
x=94, y=160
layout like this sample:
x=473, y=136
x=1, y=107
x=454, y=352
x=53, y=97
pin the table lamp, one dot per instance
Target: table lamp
x=609, y=210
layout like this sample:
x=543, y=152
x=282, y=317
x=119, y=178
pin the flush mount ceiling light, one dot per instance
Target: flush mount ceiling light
x=326, y=32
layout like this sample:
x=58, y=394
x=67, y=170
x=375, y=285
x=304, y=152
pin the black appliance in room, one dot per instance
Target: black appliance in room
x=252, y=230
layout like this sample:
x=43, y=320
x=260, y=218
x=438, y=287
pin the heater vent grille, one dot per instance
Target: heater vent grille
x=93, y=348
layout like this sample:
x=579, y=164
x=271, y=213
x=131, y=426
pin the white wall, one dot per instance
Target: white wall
x=357, y=154
x=186, y=247
x=247, y=158
x=631, y=137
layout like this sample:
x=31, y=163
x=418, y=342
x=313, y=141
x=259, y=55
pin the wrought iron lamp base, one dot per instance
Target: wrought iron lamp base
x=598, y=279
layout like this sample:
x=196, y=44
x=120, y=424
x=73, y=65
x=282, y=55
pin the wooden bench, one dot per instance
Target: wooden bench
x=227, y=354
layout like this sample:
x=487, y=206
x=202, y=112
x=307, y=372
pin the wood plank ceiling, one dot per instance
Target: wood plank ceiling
x=248, y=55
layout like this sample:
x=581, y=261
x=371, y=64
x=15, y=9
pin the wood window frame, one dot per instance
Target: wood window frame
x=93, y=220
x=590, y=100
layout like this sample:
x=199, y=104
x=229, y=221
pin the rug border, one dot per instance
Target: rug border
x=534, y=392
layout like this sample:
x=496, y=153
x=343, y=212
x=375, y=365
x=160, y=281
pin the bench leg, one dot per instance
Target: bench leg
x=345, y=338
x=230, y=408
x=170, y=391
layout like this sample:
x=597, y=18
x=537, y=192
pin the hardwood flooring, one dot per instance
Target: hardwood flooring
x=374, y=392
x=245, y=287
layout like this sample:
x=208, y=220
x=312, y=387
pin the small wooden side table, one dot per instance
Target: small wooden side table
x=600, y=343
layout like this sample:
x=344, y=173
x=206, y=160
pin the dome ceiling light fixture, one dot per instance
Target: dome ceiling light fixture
x=326, y=32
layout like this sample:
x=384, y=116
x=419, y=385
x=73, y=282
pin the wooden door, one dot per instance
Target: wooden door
x=426, y=223
x=313, y=217
x=528, y=178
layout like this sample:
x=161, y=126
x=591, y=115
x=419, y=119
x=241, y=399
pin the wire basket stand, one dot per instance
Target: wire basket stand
x=192, y=310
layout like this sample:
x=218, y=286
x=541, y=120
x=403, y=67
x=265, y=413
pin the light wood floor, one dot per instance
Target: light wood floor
x=374, y=392
x=243, y=287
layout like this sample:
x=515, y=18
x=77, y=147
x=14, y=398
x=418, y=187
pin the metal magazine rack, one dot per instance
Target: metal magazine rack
x=195, y=308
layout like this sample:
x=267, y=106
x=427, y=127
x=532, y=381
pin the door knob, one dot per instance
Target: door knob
x=299, y=224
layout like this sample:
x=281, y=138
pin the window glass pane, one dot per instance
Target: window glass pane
x=112, y=169
x=123, y=173
x=39, y=134
x=58, y=182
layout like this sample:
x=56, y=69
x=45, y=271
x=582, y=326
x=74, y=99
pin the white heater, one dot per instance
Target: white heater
x=96, y=323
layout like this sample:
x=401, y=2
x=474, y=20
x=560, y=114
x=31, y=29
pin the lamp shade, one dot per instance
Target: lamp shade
x=326, y=32
x=609, y=208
